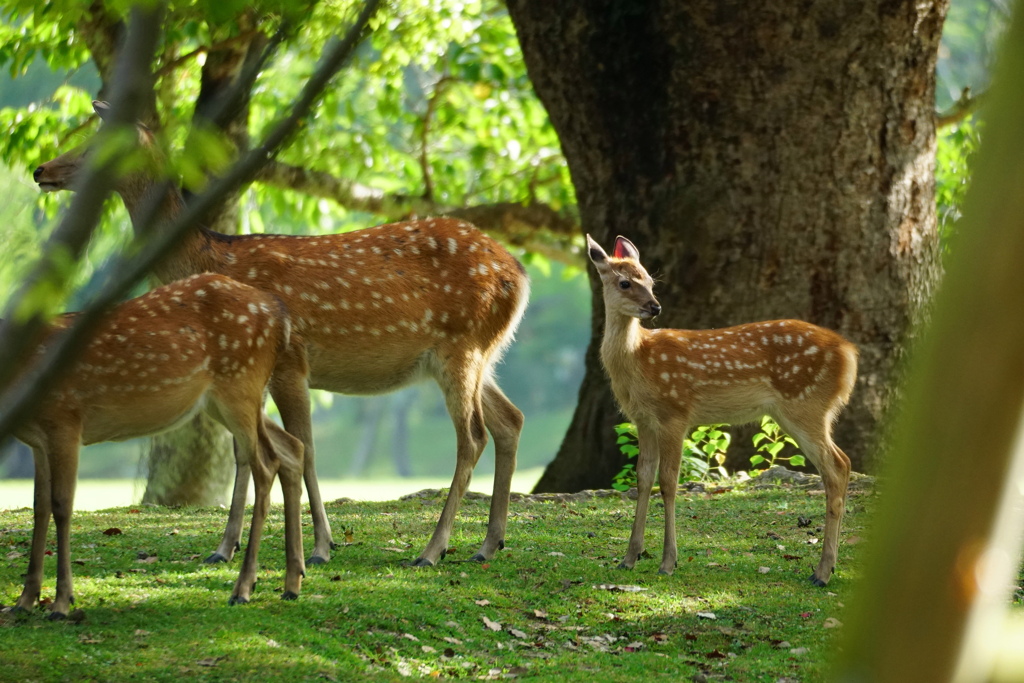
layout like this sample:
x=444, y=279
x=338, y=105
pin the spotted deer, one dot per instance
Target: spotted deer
x=667, y=381
x=375, y=310
x=203, y=343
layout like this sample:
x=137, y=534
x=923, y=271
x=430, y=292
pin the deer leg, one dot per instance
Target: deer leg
x=464, y=404
x=41, y=509
x=290, y=389
x=505, y=423
x=288, y=454
x=647, y=462
x=836, y=477
x=671, y=451
x=64, y=475
x=236, y=513
x=263, y=465
x=834, y=468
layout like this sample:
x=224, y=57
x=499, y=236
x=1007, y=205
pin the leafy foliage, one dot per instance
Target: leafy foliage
x=957, y=146
x=703, y=455
x=770, y=442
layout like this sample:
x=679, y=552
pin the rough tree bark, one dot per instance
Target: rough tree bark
x=194, y=465
x=769, y=160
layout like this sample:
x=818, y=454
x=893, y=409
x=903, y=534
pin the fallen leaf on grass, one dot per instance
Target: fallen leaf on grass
x=409, y=636
x=492, y=625
x=853, y=540
x=659, y=637
x=112, y=531
x=619, y=588
x=805, y=615
x=14, y=554
x=89, y=639
x=140, y=632
x=453, y=641
x=799, y=651
x=791, y=557
x=211, y=661
x=707, y=615
x=832, y=622
x=716, y=654
x=392, y=549
x=427, y=648
x=539, y=614
x=482, y=603
x=517, y=633
x=763, y=570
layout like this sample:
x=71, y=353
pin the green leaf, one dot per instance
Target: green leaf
x=756, y=459
x=797, y=461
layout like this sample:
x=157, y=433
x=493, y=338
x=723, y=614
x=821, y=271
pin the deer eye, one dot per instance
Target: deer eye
x=625, y=284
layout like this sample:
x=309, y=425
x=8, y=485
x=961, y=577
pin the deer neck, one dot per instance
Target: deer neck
x=195, y=253
x=623, y=338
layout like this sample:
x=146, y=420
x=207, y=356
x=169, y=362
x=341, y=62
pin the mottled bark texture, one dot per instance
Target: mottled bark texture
x=194, y=465
x=769, y=159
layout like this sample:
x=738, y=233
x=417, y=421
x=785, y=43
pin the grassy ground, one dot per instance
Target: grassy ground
x=551, y=606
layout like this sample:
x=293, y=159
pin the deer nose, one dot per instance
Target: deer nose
x=36, y=173
x=655, y=308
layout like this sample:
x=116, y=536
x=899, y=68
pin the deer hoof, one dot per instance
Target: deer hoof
x=479, y=557
x=623, y=565
x=215, y=558
x=420, y=562
x=237, y=600
x=288, y=595
x=57, y=616
x=316, y=559
x=818, y=582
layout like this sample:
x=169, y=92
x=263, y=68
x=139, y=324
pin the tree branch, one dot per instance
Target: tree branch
x=961, y=109
x=533, y=226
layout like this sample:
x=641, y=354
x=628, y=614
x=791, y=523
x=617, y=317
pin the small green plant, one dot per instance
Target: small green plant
x=703, y=455
x=770, y=441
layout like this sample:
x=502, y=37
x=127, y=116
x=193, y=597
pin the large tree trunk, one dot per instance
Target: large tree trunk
x=194, y=465
x=769, y=160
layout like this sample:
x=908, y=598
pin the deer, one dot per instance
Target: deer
x=667, y=381
x=203, y=343
x=375, y=310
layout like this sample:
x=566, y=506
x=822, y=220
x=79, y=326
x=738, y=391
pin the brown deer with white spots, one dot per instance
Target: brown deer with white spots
x=375, y=310
x=204, y=343
x=668, y=381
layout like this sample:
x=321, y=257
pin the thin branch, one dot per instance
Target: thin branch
x=126, y=271
x=961, y=109
x=435, y=96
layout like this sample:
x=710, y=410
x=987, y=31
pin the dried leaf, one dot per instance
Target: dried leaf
x=14, y=554
x=409, y=636
x=112, y=531
x=716, y=654
x=349, y=536
x=619, y=588
x=853, y=540
x=763, y=570
x=707, y=615
x=517, y=633
x=799, y=651
x=832, y=622
x=492, y=625
x=540, y=614
x=211, y=661
x=453, y=641
x=427, y=648
x=482, y=603
x=556, y=554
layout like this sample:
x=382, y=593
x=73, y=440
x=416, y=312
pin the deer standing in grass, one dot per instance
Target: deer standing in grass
x=668, y=381
x=204, y=343
x=375, y=310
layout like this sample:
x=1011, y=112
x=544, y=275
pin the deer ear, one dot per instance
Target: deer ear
x=597, y=254
x=101, y=108
x=625, y=249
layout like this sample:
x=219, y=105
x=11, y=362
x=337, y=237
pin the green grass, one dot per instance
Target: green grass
x=365, y=615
